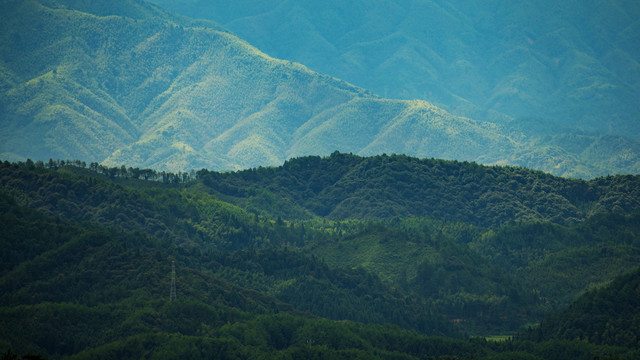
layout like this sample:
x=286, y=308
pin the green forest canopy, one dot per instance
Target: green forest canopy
x=85, y=244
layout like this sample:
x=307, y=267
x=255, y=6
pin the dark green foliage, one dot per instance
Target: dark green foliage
x=159, y=211
x=610, y=315
x=559, y=262
x=422, y=256
x=434, y=260
x=347, y=186
x=339, y=293
x=87, y=259
x=101, y=285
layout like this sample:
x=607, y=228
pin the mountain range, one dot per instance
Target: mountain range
x=574, y=63
x=130, y=83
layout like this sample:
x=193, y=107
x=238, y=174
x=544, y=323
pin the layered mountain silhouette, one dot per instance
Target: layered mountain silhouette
x=125, y=82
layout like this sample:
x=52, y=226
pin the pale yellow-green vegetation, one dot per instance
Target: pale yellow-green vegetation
x=127, y=83
x=574, y=62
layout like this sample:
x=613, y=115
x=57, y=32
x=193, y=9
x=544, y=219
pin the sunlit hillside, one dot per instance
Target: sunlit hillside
x=128, y=83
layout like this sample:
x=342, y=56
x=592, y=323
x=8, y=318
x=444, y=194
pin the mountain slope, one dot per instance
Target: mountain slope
x=86, y=257
x=93, y=286
x=127, y=83
x=199, y=233
x=610, y=315
x=574, y=62
x=158, y=91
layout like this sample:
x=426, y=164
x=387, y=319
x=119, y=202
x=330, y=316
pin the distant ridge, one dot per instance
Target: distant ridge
x=575, y=63
x=128, y=83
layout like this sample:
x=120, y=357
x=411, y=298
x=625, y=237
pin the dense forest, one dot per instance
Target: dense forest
x=344, y=186
x=430, y=270
x=608, y=316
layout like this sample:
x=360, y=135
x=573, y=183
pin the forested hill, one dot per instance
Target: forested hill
x=86, y=261
x=344, y=186
x=610, y=315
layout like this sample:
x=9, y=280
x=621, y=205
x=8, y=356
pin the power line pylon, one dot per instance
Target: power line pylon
x=172, y=295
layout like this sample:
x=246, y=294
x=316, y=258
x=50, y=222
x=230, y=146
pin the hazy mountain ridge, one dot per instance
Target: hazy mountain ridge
x=151, y=89
x=151, y=92
x=572, y=62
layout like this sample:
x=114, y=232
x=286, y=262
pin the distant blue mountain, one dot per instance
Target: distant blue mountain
x=126, y=82
x=574, y=62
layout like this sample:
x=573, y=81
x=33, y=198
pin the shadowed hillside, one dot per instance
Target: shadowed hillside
x=344, y=186
x=87, y=252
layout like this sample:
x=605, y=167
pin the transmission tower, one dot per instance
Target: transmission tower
x=172, y=295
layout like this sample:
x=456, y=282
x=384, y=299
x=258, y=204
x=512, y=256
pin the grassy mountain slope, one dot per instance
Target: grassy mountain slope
x=488, y=61
x=127, y=83
x=574, y=62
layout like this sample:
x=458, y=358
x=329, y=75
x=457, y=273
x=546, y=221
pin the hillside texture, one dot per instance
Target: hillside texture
x=128, y=83
x=609, y=315
x=85, y=266
x=575, y=62
x=344, y=186
x=147, y=90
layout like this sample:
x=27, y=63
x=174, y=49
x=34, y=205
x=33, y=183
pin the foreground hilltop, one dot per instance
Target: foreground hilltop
x=87, y=253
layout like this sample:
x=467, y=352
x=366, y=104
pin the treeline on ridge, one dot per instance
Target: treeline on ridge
x=345, y=186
